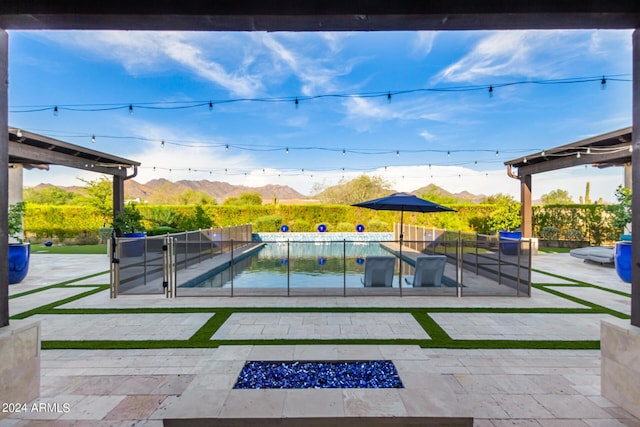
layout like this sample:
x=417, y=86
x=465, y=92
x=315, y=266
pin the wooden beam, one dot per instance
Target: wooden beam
x=39, y=155
x=319, y=15
x=4, y=179
x=526, y=209
x=635, y=170
x=620, y=157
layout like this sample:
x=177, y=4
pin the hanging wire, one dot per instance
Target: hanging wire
x=177, y=105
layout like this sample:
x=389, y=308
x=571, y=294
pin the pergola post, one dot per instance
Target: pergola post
x=635, y=171
x=526, y=210
x=118, y=194
x=4, y=178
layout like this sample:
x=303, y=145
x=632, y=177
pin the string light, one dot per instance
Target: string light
x=344, y=152
x=543, y=154
x=588, y=150
x=162, y=144
x=297, y=103
x=397, y=153
x=578, y=155
x=388, y=97
x=631, y=148
x=55, y=111
x=226, y=147
x=524, y=160
x=448, y=153
x=286, y=151
x=210, y=106
x=174, y=105
x=93, y=139
x=490, y=91
x=19, y=133
x=497, y=153
x=603, y=83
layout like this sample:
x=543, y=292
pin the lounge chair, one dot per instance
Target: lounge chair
x=378, y=271
x=599, y=254
x=429, y=271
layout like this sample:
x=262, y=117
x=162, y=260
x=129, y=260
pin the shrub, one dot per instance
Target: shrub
x=266, y=224
x=301, y=226
x=573, y=234
x=198, y=221
x=345, y=227
x=161, y=231
x=550, y=233
x=377, y=226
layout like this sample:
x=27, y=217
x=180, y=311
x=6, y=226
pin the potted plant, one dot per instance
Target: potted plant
x=621, y=218
x=19, y=251
x=127, y=223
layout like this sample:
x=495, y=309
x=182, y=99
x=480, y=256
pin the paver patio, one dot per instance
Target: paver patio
x=141, y=386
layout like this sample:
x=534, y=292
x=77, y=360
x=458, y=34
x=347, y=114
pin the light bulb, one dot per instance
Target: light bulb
x=93, y=139
x=19, y=133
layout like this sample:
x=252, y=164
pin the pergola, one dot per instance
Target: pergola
x=32, y=150
x=609, y=149
x=316, y=15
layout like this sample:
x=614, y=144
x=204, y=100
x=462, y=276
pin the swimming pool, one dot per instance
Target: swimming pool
x=297, y=265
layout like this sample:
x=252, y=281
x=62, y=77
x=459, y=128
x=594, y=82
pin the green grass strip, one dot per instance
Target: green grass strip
x=579, y=283
x=69, y=249
x=44, y=308
x=59, y=285
x=453, y=344
x=595, y=307
x=431, y=327
x=412, y=310
x=211, y=326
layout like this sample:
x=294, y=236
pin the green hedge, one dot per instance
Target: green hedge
x=592, y=222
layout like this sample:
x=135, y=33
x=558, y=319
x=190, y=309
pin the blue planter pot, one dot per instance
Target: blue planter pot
x=510, y=248
x=133, y=248
x=622, y=259
x=18, y=261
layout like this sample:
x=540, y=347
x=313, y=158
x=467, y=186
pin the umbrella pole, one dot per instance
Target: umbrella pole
x=401, y=237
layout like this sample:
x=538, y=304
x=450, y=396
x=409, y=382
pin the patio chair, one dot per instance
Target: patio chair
x=429, y=271
x=378, y=271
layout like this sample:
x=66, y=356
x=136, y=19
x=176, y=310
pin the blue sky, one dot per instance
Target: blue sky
x=404, y=139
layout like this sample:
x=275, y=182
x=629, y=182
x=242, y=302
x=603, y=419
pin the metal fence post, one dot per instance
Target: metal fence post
x=344, y=267
x=288, y=268
x=231, y=266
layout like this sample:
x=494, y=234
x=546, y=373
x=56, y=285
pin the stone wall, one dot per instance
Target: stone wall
x=620, y=365
x=19, y=362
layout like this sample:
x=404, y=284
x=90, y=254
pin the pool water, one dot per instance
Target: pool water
x=299, y=264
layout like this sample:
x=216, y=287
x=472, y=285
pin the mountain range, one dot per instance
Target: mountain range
x=160, y=189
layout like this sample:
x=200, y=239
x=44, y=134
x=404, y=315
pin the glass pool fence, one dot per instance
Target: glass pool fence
x=234, y=262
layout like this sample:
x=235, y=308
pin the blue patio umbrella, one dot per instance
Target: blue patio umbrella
x=403, y=202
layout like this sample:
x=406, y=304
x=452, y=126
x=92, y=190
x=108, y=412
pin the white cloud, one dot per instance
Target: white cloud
x=427, y=135
x=423, y=43
x=144, y=52
x=529, y=54
x=316, y=72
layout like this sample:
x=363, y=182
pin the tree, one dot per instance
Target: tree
x=622, y=211
x=556, y=197
x=499, y=199
x=100, y=196
x=357, y=190
x=245, y=199
x=50, y=196
x=195, y=197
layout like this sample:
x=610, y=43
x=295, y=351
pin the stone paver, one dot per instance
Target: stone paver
x=516, y=387
x=521, y=326
x=243, y=326
x=29, y=302
x=134, y=327
x=610, y=300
